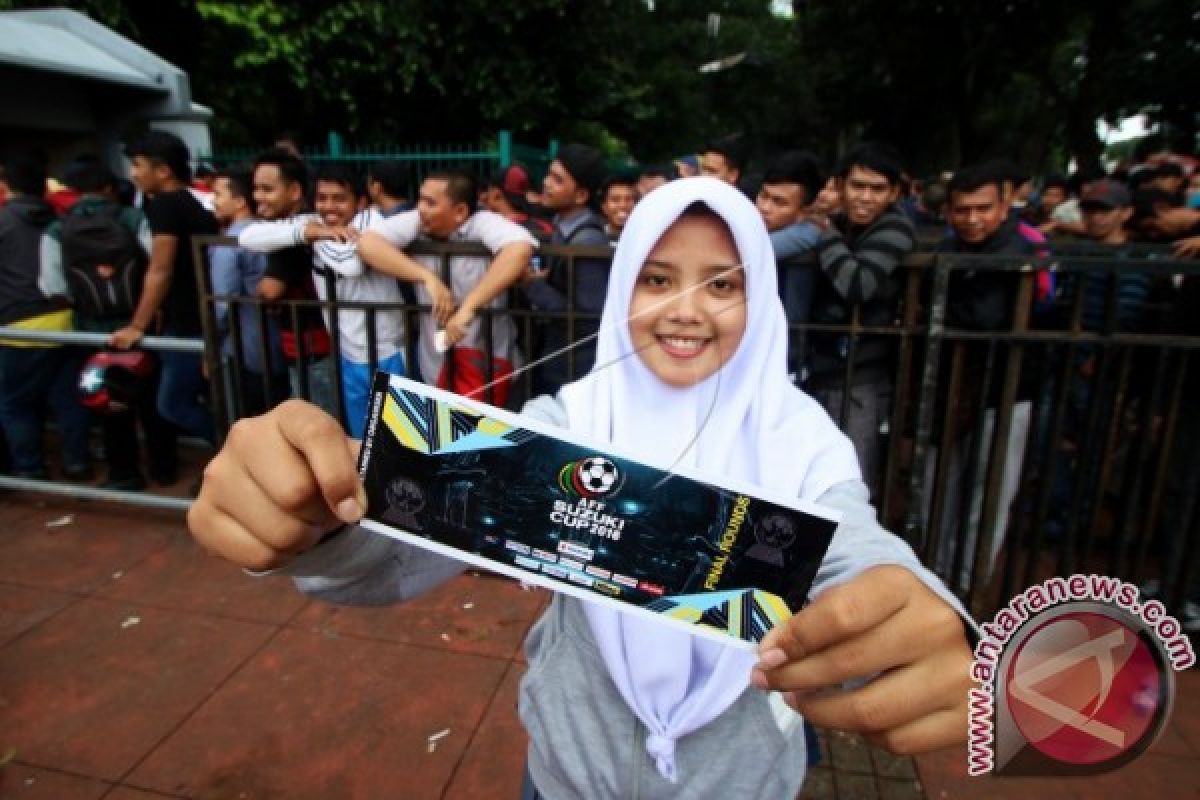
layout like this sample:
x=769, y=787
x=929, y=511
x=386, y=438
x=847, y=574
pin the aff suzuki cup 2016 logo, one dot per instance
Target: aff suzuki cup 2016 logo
x=1076, y=677
x=592, y=477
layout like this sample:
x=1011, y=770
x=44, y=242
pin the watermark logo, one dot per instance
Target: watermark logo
x=1076, y=677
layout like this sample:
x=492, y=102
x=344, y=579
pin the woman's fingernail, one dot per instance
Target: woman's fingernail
x=772, y=659
x=757, y=679
x=349, y=510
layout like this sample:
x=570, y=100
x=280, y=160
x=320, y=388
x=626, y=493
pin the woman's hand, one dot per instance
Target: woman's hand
x=280, y=483
x=884, y=623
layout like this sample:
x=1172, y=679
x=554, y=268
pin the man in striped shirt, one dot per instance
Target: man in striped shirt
x=858, y=256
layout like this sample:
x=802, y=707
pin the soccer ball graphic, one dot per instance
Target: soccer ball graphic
x=596, y=476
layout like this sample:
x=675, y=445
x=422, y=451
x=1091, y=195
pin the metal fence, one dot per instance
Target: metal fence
x=98, y=341
x=424, y=158
x=1063, y=442
x=420, y=158
x=1004, y=462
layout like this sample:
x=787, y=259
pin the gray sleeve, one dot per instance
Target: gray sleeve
x=52, y=277
x=861, y=543
x=358, y=567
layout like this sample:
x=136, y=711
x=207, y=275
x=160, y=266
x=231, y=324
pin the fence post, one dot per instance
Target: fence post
x=991, y=511
x=222, y=419
x=504, y=145
x=335, y=145
x=916, y=527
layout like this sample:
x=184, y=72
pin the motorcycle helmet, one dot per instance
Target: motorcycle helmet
x=111, y=381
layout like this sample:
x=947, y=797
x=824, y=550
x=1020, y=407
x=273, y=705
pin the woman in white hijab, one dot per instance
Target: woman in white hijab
x=709, y=389
x=692, y=293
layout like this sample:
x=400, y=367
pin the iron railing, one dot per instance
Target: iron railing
x=1046, y=447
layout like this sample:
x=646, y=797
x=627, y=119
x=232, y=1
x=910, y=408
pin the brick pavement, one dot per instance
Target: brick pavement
x=133, y=665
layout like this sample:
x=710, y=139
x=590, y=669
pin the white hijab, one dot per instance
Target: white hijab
x=754, y=426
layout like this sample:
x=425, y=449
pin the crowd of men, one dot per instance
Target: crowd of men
x=841, y=237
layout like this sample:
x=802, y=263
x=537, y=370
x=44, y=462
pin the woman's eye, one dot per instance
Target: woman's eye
x=655, y=281
x=723, y=285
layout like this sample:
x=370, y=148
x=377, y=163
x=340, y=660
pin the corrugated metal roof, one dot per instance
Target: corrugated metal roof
x=42, y=47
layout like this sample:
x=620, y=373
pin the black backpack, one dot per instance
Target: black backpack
x=104, y=263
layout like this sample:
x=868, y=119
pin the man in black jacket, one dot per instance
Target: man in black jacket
x=982, y=300
x=35, y=375
x=571, y=190
x=978, y=210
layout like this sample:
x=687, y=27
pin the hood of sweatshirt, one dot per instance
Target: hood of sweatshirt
x=33, y=210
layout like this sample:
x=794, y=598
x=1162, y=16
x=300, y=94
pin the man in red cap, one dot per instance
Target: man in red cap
x=505, y=196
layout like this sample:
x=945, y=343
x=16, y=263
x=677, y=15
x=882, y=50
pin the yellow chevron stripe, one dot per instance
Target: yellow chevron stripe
x=772, y=607
x=493, y=427
x=684, y=613
x=402, y=428
x=734, y=611
x=443, y=433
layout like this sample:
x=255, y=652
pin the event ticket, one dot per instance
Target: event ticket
x=513, y=495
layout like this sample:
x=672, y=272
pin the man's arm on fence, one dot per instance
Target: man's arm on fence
x=505, y=270
x=337, y=248
x=155, y=286
x=272, y=235
x=388, y=258
x=858, y=274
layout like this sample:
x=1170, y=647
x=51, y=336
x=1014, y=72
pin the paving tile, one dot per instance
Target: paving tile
x=24, y=782
x=129, y=793
x=818, y=785
x=182, y=575
x=494, y=624
x=890, y=765
x=849, y=753
x=314, y=717
x=1185, y=719
x=1167, y=770
x=1150, y=776
x=22, y=607
x=943, y=774
x=17, y=507
x=853, y=786
x=1171, y=741
x=823, y=742
x=83, y=555
x=900, y=789
x=90, y=692
x=494, y=764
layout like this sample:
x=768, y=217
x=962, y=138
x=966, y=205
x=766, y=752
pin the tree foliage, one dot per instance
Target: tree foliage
x=954, y=82
x=946, y=82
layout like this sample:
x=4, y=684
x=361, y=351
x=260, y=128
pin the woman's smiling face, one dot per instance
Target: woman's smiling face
x=688, y=311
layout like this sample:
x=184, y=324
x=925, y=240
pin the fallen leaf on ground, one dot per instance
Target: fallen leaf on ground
x=435, y=738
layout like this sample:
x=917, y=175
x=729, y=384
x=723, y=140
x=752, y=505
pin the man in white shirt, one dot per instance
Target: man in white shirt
x=333, y=232
x=481, y=356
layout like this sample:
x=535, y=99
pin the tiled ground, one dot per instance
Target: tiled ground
x=133, y=666
x=1171, y=768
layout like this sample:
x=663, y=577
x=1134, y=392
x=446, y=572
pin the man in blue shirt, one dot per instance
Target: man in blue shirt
x=791, y=182
x=261, y=370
